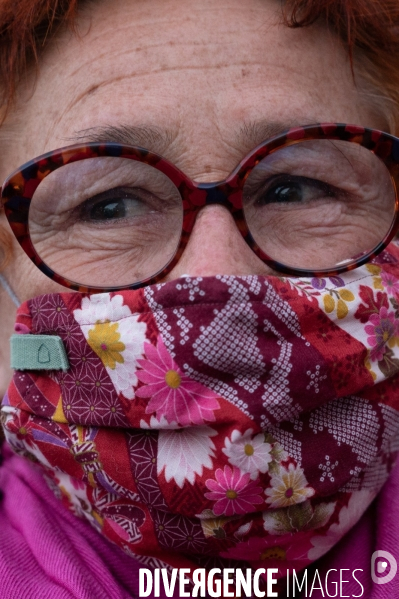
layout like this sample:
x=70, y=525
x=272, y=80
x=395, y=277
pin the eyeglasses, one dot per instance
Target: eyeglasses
x=315, y=201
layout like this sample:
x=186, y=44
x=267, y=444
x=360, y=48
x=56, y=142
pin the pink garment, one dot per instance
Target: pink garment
x=48, y=553
x=378, y=529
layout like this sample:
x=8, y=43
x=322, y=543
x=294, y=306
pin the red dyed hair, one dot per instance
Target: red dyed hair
x=369, y=29
x=25, y=28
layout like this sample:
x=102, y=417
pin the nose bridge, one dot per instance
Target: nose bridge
x=216, y=194
x=215, y=241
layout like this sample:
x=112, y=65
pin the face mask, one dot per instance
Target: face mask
x=214, y=422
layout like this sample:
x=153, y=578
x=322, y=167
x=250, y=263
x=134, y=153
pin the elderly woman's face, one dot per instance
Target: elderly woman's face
x=201, y=83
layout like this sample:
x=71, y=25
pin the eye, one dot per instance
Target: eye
x=107, y=210
x=116, y=204
x=287, y=190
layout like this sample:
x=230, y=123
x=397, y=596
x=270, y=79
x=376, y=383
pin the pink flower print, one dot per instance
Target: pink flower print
x=383, y=330
x=172, y=393
x=77, y=484
x=21, y=427
x=233, y=492
x=390, y=283
x=282, y=552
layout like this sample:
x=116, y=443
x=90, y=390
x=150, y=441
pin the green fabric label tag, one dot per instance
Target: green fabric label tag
x=38, y=352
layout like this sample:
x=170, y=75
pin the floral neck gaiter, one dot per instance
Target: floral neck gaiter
x=217, y=422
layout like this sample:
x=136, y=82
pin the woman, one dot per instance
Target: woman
x=244, y=414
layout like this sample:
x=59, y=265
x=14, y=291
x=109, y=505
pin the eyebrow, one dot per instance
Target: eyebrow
x=249, y=135
x=253, y=133
x=146, y=136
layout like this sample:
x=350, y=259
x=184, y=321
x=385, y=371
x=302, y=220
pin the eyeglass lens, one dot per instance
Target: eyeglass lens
x=319, y=204
x=111, y=221
x=106, y=221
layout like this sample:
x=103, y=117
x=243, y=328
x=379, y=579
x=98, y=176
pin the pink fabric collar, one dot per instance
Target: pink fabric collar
x=48, y=553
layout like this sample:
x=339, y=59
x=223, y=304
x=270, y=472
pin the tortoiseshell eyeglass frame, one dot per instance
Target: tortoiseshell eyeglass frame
x=19, y=187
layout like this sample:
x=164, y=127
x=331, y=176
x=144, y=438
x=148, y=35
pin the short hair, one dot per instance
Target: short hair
x=368, y=28
x=370, y=31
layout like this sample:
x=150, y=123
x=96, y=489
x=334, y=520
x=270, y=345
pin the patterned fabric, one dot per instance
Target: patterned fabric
x=218, y=422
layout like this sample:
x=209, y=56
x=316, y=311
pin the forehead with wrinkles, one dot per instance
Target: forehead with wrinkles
x=197, y=82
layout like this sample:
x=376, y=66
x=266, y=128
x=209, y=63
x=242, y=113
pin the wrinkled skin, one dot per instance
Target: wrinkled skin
x=210, y=81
